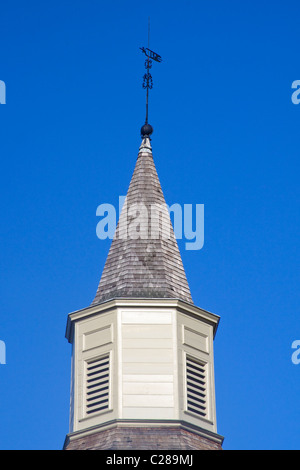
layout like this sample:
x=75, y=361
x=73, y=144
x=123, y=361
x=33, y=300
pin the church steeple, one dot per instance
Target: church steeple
x=142, y=353
x=144, y=259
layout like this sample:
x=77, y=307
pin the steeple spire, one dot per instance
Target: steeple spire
x=144, y=260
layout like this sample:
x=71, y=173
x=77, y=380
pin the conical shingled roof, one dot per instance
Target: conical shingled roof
x=144, y=259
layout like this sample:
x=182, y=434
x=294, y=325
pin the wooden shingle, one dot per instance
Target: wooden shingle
x=144, y=260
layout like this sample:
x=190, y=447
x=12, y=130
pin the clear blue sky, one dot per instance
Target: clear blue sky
x=226, y=135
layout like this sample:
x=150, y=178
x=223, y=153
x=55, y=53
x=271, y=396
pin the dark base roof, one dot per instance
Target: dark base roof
x=145, y=438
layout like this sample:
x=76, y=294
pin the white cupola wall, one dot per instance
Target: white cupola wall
x=142, y=361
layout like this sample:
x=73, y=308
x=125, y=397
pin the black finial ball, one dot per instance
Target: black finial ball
x=146, y=130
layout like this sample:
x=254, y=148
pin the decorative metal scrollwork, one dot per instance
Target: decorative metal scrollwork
x=148, y=82
x=147, y=79
x=148, y=64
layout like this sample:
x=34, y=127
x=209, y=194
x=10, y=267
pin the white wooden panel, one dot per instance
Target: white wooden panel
x=93, y=338
x=147, y=343
x=138, y=388
x=146, y=331
x=149, y=413
x=148, y=368
x=148, y=401
x=147, y=378
x=97, y=337
x=195, y=339
x=143, y=317
x=147, y=355
x=92, y=324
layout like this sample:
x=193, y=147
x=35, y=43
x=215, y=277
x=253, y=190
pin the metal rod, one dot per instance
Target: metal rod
x=147, y=93
x=147, y=96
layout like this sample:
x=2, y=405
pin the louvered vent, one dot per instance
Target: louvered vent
x=97, y=385
x=196, y=381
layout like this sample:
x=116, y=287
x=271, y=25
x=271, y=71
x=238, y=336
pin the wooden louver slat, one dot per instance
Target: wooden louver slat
x=196, y=387
x=97, y=385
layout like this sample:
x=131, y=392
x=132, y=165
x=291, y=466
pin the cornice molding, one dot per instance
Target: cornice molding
x=183, y=307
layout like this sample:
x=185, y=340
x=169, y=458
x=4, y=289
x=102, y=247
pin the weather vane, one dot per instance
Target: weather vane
x=147, y=80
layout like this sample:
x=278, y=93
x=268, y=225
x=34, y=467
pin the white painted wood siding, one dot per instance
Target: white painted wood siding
x=94, y=338
x=148, y=364
x=195, y=340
